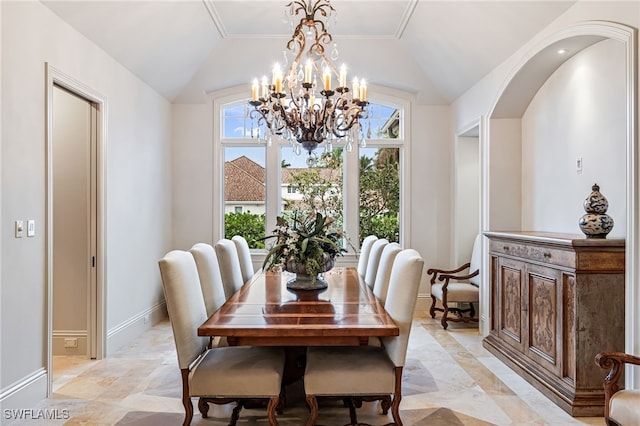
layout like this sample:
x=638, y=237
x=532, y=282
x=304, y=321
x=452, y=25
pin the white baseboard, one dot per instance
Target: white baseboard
x=422, y=303
x=129, y=330
x=23, y=394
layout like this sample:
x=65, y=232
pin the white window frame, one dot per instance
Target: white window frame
x=273, y=161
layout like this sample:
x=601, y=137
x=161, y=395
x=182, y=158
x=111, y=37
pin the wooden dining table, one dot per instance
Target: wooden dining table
x=264, y=312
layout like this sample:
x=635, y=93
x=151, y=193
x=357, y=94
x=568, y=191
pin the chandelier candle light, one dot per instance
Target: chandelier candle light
x=294, y=106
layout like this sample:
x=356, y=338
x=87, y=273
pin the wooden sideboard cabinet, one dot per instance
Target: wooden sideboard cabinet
x=556, y=301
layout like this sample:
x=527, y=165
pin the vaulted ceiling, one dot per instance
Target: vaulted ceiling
x=435, y=49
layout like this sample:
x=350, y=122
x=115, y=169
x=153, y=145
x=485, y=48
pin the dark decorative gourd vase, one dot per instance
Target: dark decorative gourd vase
x=596, y=223
x=304, y=281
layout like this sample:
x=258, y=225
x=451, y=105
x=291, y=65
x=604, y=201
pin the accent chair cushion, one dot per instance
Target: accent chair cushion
x=624, y=407
x=476, y=260
x=457, y=292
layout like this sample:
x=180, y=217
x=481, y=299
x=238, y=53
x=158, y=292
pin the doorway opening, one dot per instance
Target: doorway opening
x=74, y=222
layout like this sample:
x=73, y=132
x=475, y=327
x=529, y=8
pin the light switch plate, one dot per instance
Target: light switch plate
x=31, y=228
x=19, y=228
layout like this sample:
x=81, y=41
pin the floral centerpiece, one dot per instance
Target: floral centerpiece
x=306, y=245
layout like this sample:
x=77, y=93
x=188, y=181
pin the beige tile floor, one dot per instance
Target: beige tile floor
x=449, y=379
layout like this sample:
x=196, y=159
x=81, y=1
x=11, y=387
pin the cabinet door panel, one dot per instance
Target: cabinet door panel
x=544, y=291
x=511, y=319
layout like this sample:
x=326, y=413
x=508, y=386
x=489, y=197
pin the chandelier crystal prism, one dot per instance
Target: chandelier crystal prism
x=303, y=105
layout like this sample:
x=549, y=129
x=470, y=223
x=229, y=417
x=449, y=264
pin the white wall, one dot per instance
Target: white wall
x=479, y=99
x=566, y=120
x=193, y=176
x=138, y=182
x=467, y=197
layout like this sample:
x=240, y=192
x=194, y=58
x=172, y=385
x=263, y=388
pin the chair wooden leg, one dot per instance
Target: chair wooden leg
x=397, y=397
x=432, y=310
x=235, y=414
x=203, y=406
x=385, y=404
x=271, y=410
x=313, y=410
x=472, y=310
x=443, y=321
x=353, y=416
x=186, y=398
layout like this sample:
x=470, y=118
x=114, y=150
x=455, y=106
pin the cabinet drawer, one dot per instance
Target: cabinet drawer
x=539, y=253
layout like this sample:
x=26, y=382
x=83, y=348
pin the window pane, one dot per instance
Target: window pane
x=383, y=122
x=380, y=193
x=244, y=194
x=237, y=124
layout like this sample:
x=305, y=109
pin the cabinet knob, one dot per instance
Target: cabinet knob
x=505, y=248
x=547, y=255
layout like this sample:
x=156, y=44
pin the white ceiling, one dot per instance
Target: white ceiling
x=436, y=49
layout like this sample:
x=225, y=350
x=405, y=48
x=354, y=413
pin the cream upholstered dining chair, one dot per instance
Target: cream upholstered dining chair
x=218, y=375
x=456, y=289
x=383, y=274
x=621, y=406
x=374, y=261
x=230, y=268
x=244, y=255
x=210, y=278
x=369, y=372
x=364, y=254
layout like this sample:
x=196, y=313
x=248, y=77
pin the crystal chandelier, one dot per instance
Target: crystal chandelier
x=294, y=105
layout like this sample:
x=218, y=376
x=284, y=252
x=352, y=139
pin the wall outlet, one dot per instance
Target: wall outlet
x=31, y=228
x=579, y=164
x=147, y=318
x=71, y=343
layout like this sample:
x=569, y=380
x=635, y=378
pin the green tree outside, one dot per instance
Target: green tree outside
x=250, y=226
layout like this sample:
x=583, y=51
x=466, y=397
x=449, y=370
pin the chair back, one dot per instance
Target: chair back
x=476, y=260
x=185, y=304
x=229, y=266
x=364, y=254
x=381, y=284
x=244, y=255
x=401, y=301
x=210, y=278
x=374, y=261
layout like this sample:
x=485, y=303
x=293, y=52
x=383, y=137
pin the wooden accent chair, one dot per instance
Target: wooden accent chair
x=457, y=288
x=230, y=268
x=621, y=406
x=209, y=274
x=383, y=274
x=369, y=372
x=218, y=375
x=374, y=261
x=364, y=254
x=244, y=255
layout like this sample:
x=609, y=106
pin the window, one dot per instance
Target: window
x=267, y=179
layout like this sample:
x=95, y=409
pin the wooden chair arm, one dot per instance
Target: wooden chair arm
x=614, y=361
x=447, y=278
x=435, y=272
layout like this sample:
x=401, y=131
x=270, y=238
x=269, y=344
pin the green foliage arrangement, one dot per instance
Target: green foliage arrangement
x=305, y=239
